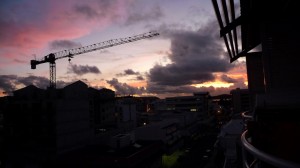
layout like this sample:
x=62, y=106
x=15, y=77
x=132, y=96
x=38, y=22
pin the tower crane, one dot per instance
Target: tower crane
x=52, y=57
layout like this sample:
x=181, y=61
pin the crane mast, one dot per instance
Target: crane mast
x=52, y=57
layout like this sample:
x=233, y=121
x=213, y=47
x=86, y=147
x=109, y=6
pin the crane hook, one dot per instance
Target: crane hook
x=70, y=58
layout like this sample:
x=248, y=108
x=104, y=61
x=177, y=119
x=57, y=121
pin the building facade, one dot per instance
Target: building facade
x=196, y=103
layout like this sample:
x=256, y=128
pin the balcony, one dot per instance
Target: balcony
x=256, y=158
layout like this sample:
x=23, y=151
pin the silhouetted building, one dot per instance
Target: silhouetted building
x=196, y=103
x=221, y=106
x=4, y=101
x=159, y=105
x=187, y=121
x=241, y=100
x=224, y=100
x=126, y=107
x=103, y=114
x=270, y=42
x=167, y=131
x=140, y=154
x=144, y=104
x=42, y=124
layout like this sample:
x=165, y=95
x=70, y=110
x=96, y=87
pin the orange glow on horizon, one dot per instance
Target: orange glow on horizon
x=215, y=84
x=138, y=84
x=2, y=93
x=100, y=84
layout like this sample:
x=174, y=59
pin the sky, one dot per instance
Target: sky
x=188, y=56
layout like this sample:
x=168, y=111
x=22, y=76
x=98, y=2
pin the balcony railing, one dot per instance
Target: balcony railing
x=255, y=158
x=246, y=117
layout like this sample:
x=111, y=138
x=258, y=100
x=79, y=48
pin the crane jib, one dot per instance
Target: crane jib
x=72, y=52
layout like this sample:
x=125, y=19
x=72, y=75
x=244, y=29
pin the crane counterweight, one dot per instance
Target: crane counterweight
x=33, y=64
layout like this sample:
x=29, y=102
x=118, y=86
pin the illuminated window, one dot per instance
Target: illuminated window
x=193, y=109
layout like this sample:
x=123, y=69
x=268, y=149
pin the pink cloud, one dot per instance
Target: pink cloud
x=31, y=25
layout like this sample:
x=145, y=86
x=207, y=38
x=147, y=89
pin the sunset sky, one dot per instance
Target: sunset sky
x=188, y=56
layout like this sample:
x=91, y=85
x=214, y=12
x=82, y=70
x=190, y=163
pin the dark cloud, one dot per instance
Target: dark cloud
x=228, y=79
x=63, y=44
x=86, y=10
x=9, y=83
x=137, y=15
x=125, y=89
x=131, y=72
x=184, y=89
x=128, y=72
x=195, y=57
x=174, y=75
x=239, y=83
x=140, y=78
x=83, y=69
x=40, y=82
x=104, y=9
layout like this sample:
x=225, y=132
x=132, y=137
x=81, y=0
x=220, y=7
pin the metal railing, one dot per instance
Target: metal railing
x=246, y=118
x=246, y=115
x=253, y=157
